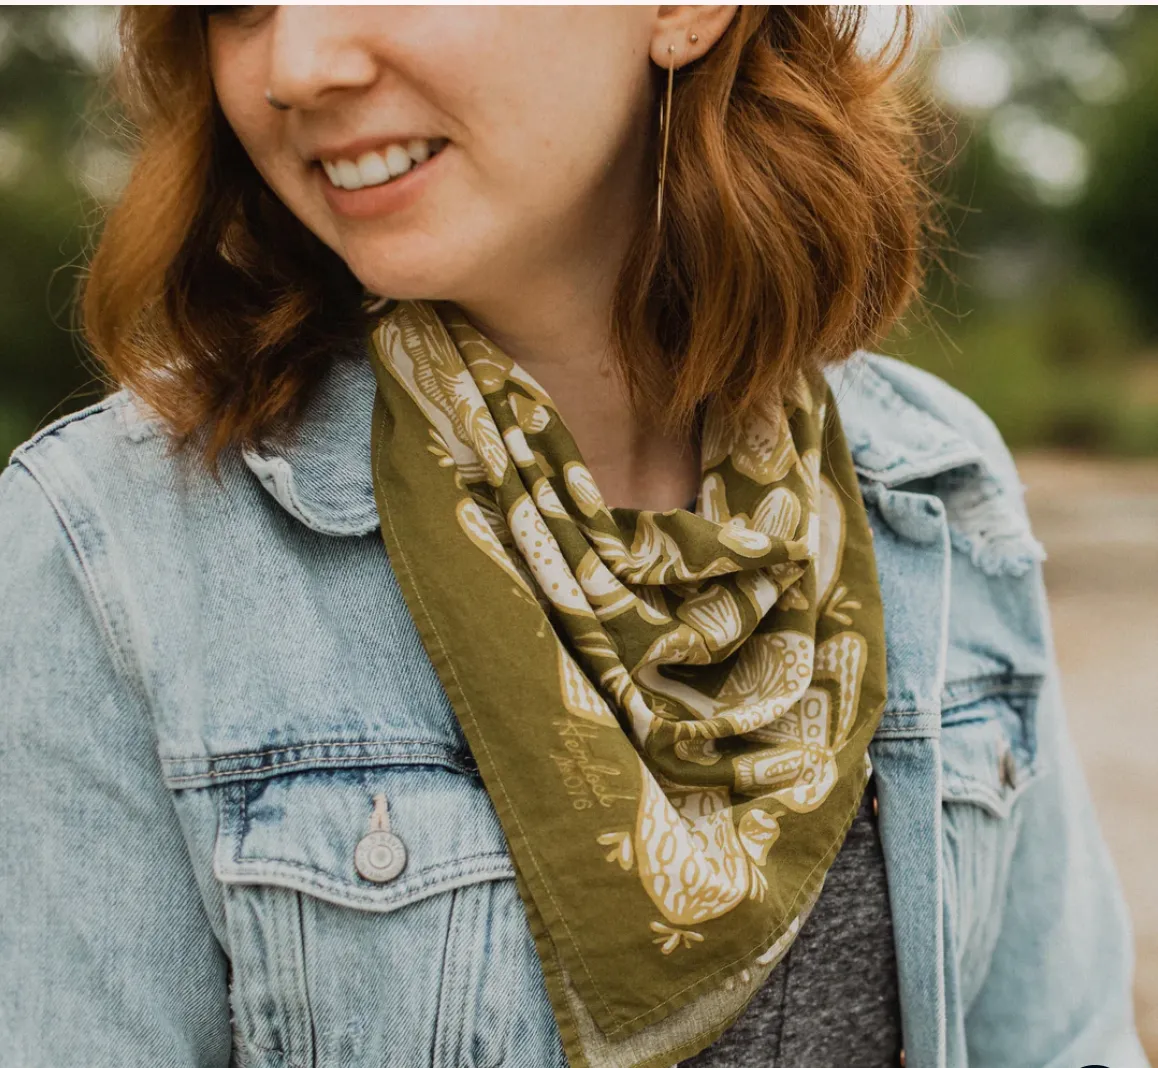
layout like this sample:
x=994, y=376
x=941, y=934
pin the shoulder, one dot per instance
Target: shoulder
x=99, y=499
x=905, y=424
x=113, y=435
x=107, y=467
x=908, y=428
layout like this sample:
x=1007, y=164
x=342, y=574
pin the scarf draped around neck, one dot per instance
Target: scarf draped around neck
x=670, y=710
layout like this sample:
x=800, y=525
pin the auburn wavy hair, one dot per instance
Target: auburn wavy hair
x=794, y=210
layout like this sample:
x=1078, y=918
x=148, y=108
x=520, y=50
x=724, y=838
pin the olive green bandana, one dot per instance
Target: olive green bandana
x=670, y=710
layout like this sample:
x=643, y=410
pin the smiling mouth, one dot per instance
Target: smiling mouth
x=383, y=165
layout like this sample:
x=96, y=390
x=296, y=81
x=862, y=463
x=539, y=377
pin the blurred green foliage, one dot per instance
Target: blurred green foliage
x=1045, y=309
x=49, y=134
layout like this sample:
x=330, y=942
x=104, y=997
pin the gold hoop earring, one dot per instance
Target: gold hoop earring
x=664, y=127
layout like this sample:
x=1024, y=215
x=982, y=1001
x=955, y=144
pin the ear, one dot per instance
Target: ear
x=674, y=25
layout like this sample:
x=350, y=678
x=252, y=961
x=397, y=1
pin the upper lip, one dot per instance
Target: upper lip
x=351, y=150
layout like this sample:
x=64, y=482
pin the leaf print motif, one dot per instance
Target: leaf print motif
x=758, y=833
x=802, y=762
x=800, y=394
x=691, y=860
x=765, y=452
x=627, y=696
x=654, y=557
x=517, y=445
x=651, y=606
x=492, y=367
x=579, y=697
x=548, y=500
x=698, y=751
x=772, y=672
x=778, y=513
x=474, y=524
x=776, y=516
x=743, y=540
x=597, y=643
x=484, y=435
x=831, y=555
x=842, y=658
x=403, y=344
x=765, y=586
x=531, y=416
x=545, y=559
x=681, y=645
x=714, y=614
x=583, y=490
x=609, y=597
x=810, y=474
x=424, y=360
x=714, y=495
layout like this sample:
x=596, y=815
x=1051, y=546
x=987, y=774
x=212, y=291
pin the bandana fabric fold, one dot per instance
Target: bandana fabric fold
x=670, y=710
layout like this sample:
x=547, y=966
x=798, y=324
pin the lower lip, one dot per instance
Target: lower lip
x=392, y=196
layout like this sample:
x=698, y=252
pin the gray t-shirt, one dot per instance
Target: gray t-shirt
x=833, y=1001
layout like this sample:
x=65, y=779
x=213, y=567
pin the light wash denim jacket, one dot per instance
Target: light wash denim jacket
x=203, y=686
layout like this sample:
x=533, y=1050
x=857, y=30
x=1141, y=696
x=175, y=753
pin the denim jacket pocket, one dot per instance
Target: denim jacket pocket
x=988, y=762
x=345, y=952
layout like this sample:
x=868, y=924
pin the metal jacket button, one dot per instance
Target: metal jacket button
x=380, y=855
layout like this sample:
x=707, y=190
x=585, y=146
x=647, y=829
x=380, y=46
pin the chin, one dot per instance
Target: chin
x=384, y=268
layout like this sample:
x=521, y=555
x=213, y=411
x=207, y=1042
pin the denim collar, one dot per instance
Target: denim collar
x=322, y=476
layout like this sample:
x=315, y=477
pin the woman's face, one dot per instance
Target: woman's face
x=546, y=114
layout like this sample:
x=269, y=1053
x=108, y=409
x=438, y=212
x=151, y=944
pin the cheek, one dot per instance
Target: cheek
x=238, y=81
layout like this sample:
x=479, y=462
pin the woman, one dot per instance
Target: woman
x=566, y=654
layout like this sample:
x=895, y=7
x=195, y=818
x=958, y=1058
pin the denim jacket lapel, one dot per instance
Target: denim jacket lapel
x=895, y=444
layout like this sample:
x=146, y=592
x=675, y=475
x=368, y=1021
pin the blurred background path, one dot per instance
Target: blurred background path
x=1098, y=520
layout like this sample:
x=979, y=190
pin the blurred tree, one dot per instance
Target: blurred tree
x=1035, y=315
x=1117, y=219
x=51, y=145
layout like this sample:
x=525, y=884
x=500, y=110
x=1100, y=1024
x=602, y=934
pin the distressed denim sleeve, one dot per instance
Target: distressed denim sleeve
x=107, y=958
x=1058, y=992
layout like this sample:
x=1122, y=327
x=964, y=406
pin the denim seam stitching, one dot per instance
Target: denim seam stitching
x=323, y=879
x=295, y=748
x=101, y=610
x=317, y=761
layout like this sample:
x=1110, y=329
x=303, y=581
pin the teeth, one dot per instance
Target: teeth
x=398, y=160
x=348, y=176
x=374, y=168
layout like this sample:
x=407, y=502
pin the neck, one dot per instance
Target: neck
x=557, y=327
x=561, y=337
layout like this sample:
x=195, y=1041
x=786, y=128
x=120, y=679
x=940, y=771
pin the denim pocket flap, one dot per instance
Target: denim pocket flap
x=989, y=742
x=322, y=832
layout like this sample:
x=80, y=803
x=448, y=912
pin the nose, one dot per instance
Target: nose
x=315, y=53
